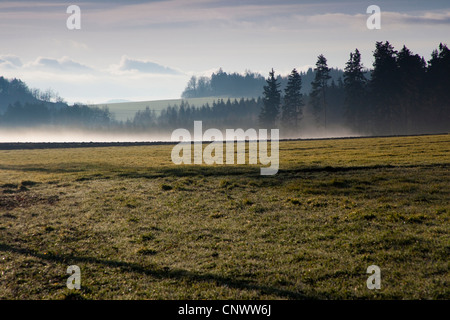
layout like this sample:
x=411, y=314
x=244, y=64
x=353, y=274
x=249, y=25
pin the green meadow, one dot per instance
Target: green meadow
x=140, y=227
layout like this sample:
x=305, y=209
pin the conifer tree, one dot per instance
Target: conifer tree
x=355, y=92
x=271, y=102
x=411, y=68
x=384, y=87
x=293, y=101
x=319, y=86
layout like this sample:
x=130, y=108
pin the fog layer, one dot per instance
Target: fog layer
x=54, y=134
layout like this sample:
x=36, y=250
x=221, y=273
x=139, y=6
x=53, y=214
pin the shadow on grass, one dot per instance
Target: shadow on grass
x=254, y=170
x=162, y=273
x=190, y=171
x=56, y=168
x=250, y=171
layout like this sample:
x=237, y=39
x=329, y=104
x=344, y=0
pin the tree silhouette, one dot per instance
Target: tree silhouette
x=384, y=87
x=318, y=88
x=293, y=101
x=271, y=102
x=411, y=70
x=438, y=84
x=355, y=91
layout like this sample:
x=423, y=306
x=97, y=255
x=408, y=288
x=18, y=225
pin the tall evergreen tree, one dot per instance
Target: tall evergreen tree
x=411, y=70
x=438, y=84
x=293, y=101
x=384, y=86
x=271, y=102
x=355, y=92
x=319, y=87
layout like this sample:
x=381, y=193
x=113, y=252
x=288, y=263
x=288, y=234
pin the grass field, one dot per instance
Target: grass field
x=126, y=110
x=140, y=227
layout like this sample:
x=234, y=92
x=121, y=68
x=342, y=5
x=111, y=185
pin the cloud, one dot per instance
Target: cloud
x=340, y=21
x=62, y=64
x=428, y=18
x=10, y=62
x=252, y=14
x=143, y=66
x=78, y=45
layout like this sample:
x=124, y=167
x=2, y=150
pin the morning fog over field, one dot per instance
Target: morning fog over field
x=402, y=94
x=341, y=193
x=333, y=69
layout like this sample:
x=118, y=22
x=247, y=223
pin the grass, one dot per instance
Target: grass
x=140, y=227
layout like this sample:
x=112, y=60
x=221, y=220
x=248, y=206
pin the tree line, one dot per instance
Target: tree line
x=31, y=114
x=24, y=107
x=403, y=94
x=235, y=85
x=221, y=114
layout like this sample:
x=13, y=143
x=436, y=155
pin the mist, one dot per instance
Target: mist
x=52, y=134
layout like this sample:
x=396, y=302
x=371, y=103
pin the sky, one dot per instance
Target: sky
x=147, y=50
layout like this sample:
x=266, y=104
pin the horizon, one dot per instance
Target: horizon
x=148, y=50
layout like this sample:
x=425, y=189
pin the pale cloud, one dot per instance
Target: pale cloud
x=131, y=79
x=333, y=21
x=427, y=18
x=127, y=64
x=78, y=45
x=182, y=13
x=248, y=15
x=62, y=64
x=10, y=61
x=192, y=13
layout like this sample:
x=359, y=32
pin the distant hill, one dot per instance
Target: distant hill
x=118, y=101
x=15, y=90
x=12, y=91
x=24, y=107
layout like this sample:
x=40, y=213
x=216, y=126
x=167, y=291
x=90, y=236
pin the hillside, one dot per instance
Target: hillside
x=16, y=91
x=12, y=91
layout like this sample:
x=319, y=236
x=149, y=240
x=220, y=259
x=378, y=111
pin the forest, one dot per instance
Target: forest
x=400, y=94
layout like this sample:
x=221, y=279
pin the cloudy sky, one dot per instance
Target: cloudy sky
x=147, y=50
